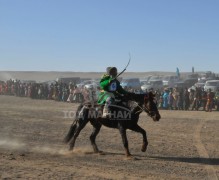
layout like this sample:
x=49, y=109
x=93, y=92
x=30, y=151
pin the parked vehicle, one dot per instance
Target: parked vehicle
x=186, y=83
x=212, y=84
x=190, y=81
x=201, y=82
x=152, y=84
x=152, y=78
x=180, y=84
x=143, y=81
x=207, y=75
x=83, y=83
x=147, y=78
x=132, y=83
x=170, y=81
x=93, y=85
x=68, y=80
x=193, y=76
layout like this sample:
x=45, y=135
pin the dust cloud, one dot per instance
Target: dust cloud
x=12, y=144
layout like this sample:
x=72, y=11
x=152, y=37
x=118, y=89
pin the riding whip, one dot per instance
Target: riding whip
x=125, y=67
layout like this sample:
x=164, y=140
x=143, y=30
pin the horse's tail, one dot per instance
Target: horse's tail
x=70, y=133
x=73, y=126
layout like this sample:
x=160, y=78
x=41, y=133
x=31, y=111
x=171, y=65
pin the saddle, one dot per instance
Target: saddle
x=94, y=107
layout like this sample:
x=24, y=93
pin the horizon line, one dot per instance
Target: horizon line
x=103, y=71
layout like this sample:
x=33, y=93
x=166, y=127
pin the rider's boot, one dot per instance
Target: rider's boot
x=106, y=111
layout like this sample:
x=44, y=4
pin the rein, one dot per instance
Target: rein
x=145, y=109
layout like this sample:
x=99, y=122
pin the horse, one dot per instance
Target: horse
x=124, y=117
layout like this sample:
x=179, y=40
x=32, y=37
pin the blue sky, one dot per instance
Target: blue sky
x=89, y=35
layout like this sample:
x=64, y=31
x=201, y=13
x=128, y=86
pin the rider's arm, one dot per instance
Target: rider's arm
x=104, y=83
x=120, y=89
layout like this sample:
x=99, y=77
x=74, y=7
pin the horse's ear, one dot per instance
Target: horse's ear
x=151, y=94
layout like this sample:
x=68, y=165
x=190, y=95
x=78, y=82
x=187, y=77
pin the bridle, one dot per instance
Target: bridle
x=151, y=113
x=145, y=108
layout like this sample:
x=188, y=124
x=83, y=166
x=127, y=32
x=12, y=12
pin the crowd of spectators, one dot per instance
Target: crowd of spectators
x=184, y=99
x=55, y=91
x=168, y=99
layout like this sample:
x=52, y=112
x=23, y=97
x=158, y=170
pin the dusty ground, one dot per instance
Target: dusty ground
x=183, y=145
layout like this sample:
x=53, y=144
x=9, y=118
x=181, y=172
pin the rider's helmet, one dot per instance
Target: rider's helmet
x=112, y=71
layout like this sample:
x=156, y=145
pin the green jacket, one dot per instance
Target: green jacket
x=109, y=87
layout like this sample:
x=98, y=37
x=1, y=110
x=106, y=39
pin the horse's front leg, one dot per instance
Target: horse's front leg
x=96, y=130
x=122, y=131
x=138, y=129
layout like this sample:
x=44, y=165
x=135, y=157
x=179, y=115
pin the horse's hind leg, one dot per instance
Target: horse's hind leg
x=96, y=130
x=81, y=124
x=138, y=129
x=125, y=140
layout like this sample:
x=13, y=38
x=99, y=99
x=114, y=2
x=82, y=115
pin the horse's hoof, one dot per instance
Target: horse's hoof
x=128, y=155
x=98, y=152
x=144, y=148
x=101, y=153
x=70, y=148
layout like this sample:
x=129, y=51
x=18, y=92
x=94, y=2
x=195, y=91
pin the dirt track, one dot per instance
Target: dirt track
x=183, y=145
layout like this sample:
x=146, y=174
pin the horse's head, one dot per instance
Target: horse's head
x=150, y=106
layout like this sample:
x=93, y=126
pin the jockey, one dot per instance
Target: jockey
x=110, y=88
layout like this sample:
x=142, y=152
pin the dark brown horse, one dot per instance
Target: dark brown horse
x=123, y=117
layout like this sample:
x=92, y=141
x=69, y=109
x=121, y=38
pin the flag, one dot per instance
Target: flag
x=193, y=70
x=177, y=72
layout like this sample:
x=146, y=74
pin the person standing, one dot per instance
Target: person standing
x=210, y=98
